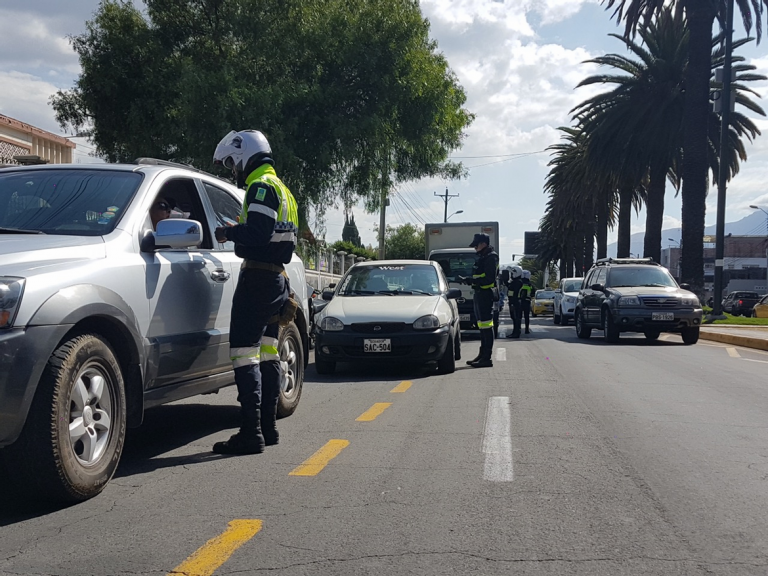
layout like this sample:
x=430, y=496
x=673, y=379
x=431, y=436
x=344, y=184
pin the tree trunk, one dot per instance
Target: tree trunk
x=579, y=257
x=625, y=222
x=602, y=230
x=701, y=17
x=654, y=209
x=589, y=250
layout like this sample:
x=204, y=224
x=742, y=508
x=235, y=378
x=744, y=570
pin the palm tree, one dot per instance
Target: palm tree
x=700, y=15
x=638, y=124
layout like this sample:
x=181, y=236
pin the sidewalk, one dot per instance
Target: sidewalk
x=747, y=336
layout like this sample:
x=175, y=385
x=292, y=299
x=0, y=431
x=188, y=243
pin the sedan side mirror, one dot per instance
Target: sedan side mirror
x=328, y=295
x=453, y=294
x=597, y=287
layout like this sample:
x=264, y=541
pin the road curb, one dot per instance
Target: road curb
x=746, y=341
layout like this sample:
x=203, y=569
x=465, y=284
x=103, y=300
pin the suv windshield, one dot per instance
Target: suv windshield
x=70, y=202
x=645, y=276
x=394, y=279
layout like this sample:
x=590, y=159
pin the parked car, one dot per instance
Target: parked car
x=391, y=310
x=564, y=303
x=635, y=295
x=740, y=303
x=760, y=310
x=543, y=302
x=103, y=315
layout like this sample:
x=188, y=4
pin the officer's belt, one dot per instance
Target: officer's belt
x=256, y=265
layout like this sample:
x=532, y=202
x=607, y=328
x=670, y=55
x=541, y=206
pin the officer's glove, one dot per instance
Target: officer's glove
x=221, y=234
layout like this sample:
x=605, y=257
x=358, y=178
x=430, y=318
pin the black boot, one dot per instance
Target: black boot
x=482, y=363
x=248, y=440
x=269, y=425
x=475, y=359
x=527, y=331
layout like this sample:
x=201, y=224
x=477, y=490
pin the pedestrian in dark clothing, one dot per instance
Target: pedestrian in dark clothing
x=484, y=277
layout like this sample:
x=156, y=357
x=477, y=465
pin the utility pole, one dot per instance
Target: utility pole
x=725, y=98
x=446, y=197
x=383, y=213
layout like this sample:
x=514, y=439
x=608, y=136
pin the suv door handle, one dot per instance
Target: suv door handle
x=219, y=275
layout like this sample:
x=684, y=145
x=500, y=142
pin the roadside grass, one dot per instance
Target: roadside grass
x=735, y=320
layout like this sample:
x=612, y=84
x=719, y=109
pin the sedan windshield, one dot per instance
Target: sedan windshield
x=70, y=202
x=391, y=279
x=646, y=276
x=545, y=294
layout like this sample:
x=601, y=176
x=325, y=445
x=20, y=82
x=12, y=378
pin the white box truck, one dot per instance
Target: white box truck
x=448, y=244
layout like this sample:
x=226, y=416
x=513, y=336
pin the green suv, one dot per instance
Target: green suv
x=635, y=295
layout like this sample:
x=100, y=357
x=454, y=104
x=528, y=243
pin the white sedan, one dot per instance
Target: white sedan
x=387, y=310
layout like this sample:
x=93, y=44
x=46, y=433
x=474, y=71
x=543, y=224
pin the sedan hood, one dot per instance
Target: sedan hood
x=402, y=308
x=22, y=252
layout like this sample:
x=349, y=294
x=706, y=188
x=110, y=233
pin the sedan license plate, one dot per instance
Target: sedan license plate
x=378, y=345
x=463, y=317
x=663, y=316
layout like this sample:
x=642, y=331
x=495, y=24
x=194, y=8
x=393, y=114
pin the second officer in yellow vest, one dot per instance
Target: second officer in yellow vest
x=265, y=238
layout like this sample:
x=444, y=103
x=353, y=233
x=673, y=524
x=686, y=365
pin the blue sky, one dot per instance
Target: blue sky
x=519, y=61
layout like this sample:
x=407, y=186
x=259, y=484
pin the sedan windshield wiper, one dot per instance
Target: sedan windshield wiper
x=19, y=231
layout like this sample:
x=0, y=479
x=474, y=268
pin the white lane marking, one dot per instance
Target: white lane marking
x=760, y=361
x=501, y=354
x=732, y=352
x=497, y=441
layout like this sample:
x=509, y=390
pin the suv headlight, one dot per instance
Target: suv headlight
x=10, y=298
x=693, y=302
x=569, y=299
x=429, y=322
x=331, y=324
x=629, y=301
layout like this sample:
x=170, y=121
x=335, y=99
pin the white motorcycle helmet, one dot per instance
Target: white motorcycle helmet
x=242, y=152
x=526, y=274
x=515, y=272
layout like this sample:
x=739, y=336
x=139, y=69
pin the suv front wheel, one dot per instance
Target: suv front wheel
x=611, y=330
x=582, y=331
x=73, y=438
x=690, y=334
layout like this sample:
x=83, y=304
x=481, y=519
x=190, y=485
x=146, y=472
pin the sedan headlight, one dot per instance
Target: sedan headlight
x=569, y=299
x=429, y=322
x=331, y=324
x=693, y=302
x=10, y=297
x=629, y=301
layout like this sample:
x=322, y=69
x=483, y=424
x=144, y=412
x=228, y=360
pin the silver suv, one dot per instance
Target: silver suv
x=105, y=311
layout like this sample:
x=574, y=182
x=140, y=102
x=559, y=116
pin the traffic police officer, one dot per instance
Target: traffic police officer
x=483, y=281
x=514, y=286
x=525, y=292
x=265, y=238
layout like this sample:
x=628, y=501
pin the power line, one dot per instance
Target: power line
x=497, y=155
x=506, y=159
x=417, y=199
x=412, y=211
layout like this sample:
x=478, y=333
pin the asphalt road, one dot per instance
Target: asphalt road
x=566, y=458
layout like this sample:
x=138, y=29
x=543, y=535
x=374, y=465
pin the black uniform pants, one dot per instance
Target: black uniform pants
x=525, y=310
x=260, y=295
x=483, y=300
x=514, y=312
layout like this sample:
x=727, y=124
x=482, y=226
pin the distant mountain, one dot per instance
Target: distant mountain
x=752, y=225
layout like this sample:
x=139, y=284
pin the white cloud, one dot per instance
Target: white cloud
x=25, y=97
x=30, y=40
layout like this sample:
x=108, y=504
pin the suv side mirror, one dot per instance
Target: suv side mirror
x=453, y=294
x=685, y=286
x=332, y=286
x=597, y=287
x=327, y=295
x=173, y=233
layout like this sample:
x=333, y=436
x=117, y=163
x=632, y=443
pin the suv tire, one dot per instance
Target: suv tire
x=690, y=334
x=652, y=334
x=55, y=458
x=582, y=330
x=292, y=361
x=611, y=331
x=556, y=318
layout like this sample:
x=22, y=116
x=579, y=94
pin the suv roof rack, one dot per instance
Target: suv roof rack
x=158, y=162
x=604, y=261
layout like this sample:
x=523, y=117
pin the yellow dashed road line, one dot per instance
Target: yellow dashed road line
x=732, y=352
x=402, y=387
x=372, y=412
x=209, y=557
x=313, y=465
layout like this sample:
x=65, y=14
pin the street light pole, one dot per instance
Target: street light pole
x=457, y=212
x=764, y=211
x=725, y=97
